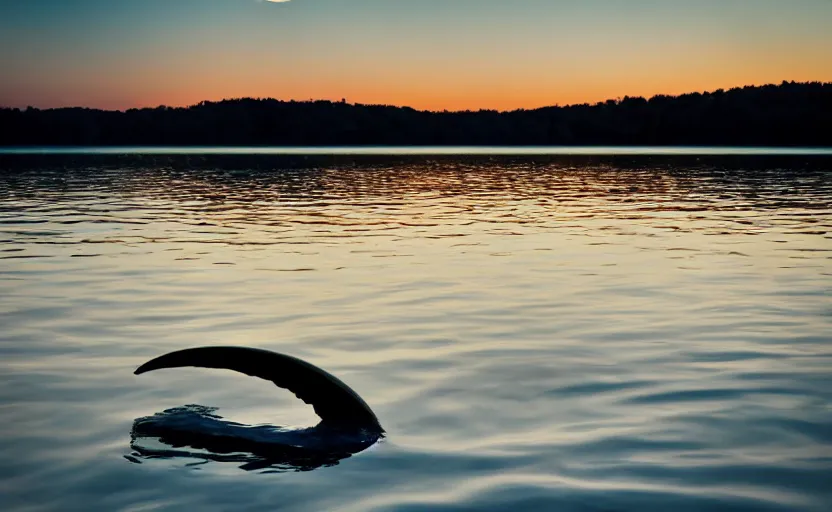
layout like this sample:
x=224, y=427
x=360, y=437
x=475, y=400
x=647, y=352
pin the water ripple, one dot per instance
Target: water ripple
x=535, y=333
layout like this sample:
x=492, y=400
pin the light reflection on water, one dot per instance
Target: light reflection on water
x=412, y=150
x=534, y=334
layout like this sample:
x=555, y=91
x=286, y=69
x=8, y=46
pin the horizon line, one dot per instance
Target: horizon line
x=358, y=104
x=399, y=150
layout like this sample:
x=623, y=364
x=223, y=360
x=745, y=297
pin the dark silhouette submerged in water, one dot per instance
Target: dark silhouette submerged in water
x=347, y=426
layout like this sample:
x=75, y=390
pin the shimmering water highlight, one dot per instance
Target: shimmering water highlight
x=533, y=333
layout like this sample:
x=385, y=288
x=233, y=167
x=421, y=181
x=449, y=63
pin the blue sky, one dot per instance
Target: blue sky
x=425, y=53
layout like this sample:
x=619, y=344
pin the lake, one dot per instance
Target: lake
x=535, y=332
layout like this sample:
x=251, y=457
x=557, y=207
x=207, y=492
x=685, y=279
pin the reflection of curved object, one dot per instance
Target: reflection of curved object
x=348, y=424
x=196, y=433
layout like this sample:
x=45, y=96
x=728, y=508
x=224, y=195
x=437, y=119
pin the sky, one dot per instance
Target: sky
x=427, y=54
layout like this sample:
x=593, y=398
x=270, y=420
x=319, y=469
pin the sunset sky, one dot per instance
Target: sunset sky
x=428, y=54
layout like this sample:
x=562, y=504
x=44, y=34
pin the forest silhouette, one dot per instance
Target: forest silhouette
x=789, y=114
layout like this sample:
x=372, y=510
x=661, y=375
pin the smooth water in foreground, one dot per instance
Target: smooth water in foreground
x=642, y=334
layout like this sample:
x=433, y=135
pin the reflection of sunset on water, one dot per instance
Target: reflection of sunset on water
x=514, y=321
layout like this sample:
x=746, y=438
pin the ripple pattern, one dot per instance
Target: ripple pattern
x=534, y=333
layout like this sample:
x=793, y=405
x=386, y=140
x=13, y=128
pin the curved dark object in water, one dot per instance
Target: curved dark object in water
x=336, y=403
x=348, y=424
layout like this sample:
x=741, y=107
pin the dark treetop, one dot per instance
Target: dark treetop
x=789, y=114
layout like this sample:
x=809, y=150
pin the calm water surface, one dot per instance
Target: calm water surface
x=550, y=334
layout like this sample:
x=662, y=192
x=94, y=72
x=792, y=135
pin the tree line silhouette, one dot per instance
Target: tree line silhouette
x=789, y=114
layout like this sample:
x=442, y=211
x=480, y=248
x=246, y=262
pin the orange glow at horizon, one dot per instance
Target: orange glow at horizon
x=502, y=99
x=528, y=54
x=422, y=88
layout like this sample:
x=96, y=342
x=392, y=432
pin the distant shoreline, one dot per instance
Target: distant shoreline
x=608, y=101
x=420, y=150
x=788, y=115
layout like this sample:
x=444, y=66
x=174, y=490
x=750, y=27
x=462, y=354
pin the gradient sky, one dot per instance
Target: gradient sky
x=432, y=54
